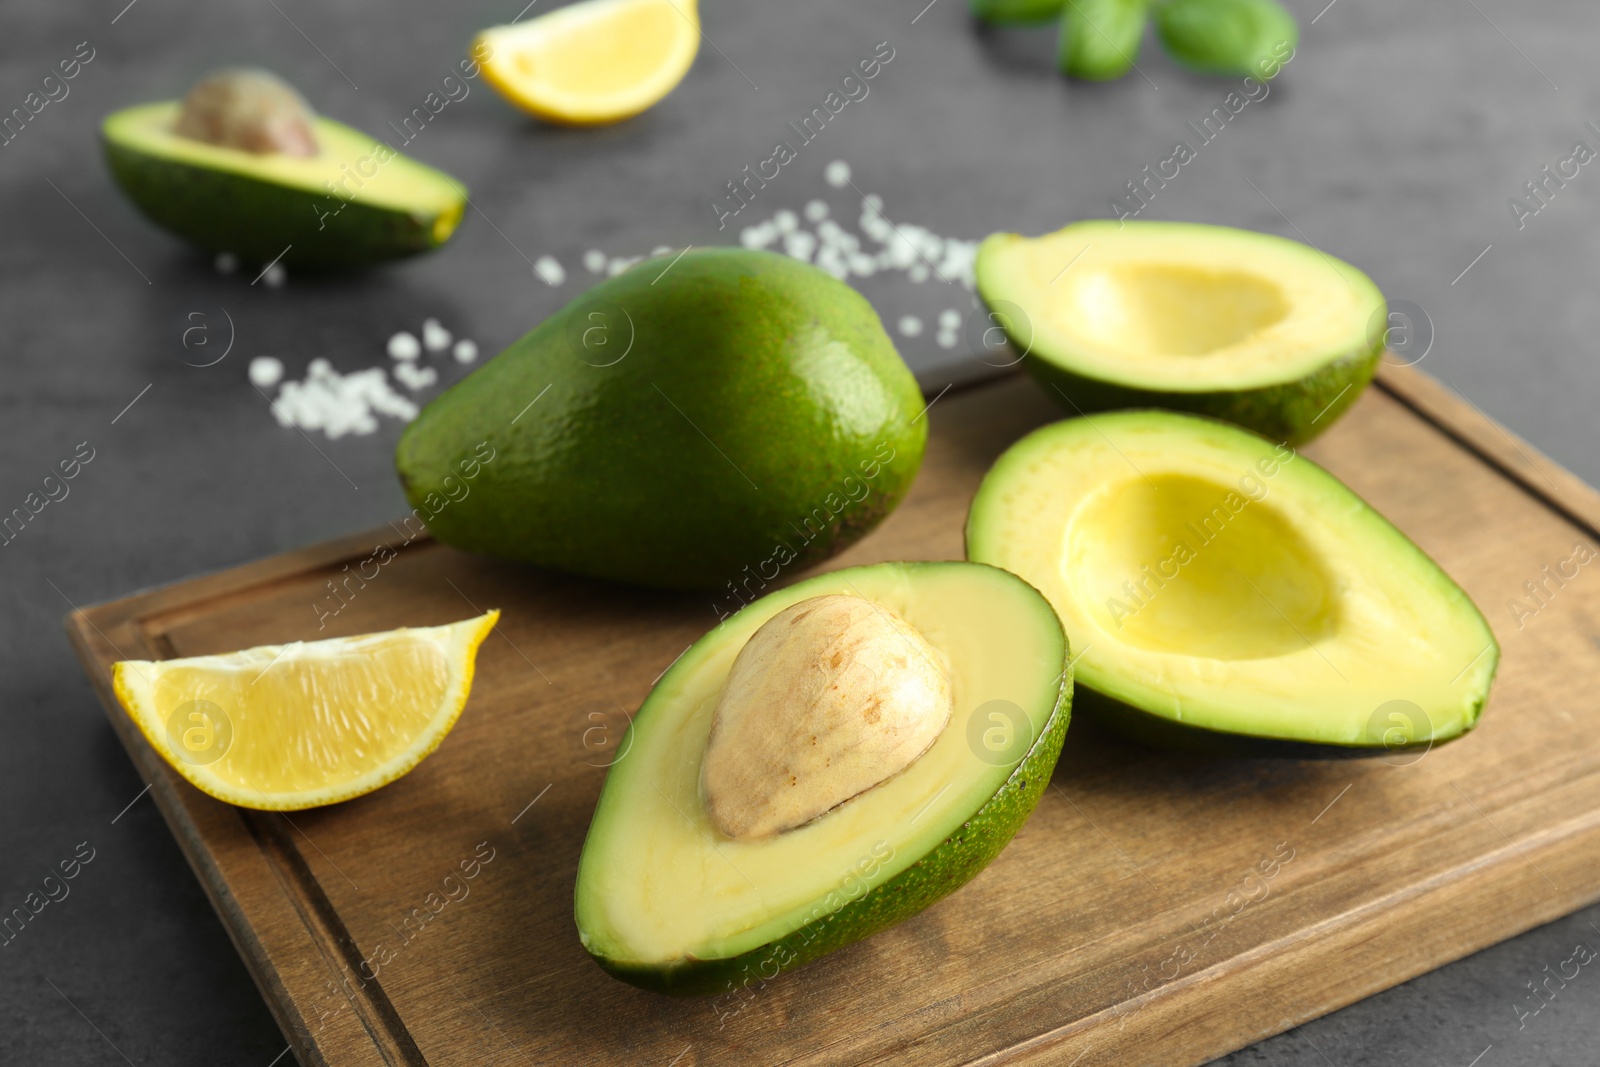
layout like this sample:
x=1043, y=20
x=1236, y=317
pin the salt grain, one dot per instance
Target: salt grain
x=594, y=261
x=758, y=236
x=910, y=325
x=265, y=372
x=435, y=338
x=832, y=260
x=339, y=404
x=816, y=211
x=799, y=245
x=549, y=270
x=226, y=263
x=902, y=253
x=404, y=346
x=949, y=319
x=837, y=173
x=415, y=377
x=465, y=351
x=875, y=226
x=275, y=276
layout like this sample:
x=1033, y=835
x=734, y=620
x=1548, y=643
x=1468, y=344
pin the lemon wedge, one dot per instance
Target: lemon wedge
x=284, y=727
x=592, y=62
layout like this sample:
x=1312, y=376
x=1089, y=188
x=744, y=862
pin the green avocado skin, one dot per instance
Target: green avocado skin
x=941, y=872
x=699, y=423
x=1290, y=412
x=256, y=220
x=1156, y=731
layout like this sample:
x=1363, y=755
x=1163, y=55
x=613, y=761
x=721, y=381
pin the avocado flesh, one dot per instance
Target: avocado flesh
x=735, y=415
x=1263, y=332
x=666, y=902
x=256, y=205
x=1278, y=606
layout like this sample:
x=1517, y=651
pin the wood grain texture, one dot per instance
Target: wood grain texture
x=1111, y=931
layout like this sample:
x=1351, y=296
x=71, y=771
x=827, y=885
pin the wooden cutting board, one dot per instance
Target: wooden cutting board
x=1130, y=922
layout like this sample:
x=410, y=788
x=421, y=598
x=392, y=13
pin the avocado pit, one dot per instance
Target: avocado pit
x=250, y=110
x=830, y=697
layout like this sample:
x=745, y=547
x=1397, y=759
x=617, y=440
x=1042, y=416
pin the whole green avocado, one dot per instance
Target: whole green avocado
x=697, y=423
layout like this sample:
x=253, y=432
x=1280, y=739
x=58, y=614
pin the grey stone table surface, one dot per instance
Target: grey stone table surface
x=1394, y=139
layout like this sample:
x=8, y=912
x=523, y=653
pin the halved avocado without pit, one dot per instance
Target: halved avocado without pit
x=1264, y=332
x=1224, y=593
x=355, y=201
x=678, y=891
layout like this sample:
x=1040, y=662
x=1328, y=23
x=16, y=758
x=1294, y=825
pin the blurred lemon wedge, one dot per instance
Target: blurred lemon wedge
x=283, y=727
x=592, y=62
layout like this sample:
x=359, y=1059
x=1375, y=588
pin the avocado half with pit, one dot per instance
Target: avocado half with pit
x=1224, y=593
x=356, y=201
x=1264, y=332
x=828, y=761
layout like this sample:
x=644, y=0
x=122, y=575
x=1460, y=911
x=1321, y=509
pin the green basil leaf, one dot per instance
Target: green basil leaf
x=1252, y=37
x=1100, y=38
